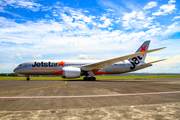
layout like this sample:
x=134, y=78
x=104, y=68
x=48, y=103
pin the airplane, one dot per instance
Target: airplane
x=78, y=68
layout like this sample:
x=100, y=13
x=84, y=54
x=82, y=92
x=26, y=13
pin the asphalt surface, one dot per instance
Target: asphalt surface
x=151, y=99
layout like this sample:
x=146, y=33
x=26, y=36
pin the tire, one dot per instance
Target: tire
x=93, y=79
x=89, y=79
x=85, y=78
x=28, y=79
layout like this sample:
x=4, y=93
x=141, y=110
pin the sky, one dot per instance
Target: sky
x=89, y=29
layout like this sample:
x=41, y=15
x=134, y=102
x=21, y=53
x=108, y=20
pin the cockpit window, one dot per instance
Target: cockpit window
x=20, y=65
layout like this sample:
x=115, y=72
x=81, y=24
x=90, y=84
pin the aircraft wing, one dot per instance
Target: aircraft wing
x=97, y=66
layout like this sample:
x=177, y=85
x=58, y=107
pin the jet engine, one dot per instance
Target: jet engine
x=71, y=72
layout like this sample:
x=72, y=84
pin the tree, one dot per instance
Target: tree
x=3, y=74
x=12, y=74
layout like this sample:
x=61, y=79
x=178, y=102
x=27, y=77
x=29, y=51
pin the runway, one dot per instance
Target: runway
x=101, y=99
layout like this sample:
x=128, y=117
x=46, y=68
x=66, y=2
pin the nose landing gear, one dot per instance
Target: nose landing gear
x=28, y=78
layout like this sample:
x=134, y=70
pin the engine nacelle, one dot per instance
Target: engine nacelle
x=71, y=72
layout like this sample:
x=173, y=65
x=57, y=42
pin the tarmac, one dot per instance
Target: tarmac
x=151, y=99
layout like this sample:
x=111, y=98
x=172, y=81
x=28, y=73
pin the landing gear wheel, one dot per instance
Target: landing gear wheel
x=89, y=78
x=93, y=79
x=27, y=78
x=85, y=78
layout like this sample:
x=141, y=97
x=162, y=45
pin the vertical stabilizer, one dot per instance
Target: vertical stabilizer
x=143, y=47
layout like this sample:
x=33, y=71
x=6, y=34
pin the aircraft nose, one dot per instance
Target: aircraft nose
x=16, y=70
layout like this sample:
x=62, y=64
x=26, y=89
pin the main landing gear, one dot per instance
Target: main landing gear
x=89, y=78
x=90, y=73
x=28, y=78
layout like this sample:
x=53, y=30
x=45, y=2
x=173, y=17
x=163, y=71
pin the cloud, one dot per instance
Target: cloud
x=176, y=17
x=150, y=5
x=11, y=57
x=85, y=57
x=165, y=9
x=24, y=55
x=136, y=20
x=37, y=56
x=106, y=23
x=154, y=31
x=79, y=15
x=22, y=4
x=173, y=28
x=19, y=56
x=103, y=17
x=110, y=10
x=82, y=56
x=171, y=1
x=67, y=19
x=86, y=11
x=117, y=20
x=47, y=36
x=128, y=16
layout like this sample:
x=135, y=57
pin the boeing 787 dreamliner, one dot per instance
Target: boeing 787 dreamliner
x=77, y=68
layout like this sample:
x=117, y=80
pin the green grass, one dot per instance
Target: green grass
x=97, y=77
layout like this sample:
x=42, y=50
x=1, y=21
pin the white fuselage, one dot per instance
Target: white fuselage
x=54, y=67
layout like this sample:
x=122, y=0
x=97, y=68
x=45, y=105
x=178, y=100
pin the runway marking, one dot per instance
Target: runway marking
x=89, y=96
x=34, y=88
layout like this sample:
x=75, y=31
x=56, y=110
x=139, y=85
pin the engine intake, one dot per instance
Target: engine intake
x=71, y=72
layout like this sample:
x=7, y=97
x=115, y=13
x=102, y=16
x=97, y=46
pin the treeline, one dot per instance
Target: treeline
x=10, y=74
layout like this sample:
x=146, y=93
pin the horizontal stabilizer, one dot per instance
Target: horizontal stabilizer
x=150, y=63
x=156, y=61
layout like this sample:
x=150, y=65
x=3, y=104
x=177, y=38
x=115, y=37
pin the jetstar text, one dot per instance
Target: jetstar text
x=44, y=64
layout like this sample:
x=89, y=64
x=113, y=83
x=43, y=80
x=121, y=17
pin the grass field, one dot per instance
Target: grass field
x=97, y=77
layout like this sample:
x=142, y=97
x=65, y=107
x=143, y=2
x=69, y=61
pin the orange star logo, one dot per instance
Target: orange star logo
x=143, y=49
x=61, y=63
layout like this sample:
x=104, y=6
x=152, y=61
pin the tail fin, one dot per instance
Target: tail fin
x=143, y=47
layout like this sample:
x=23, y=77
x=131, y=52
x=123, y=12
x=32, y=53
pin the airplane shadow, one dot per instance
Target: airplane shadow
x=122, y=80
